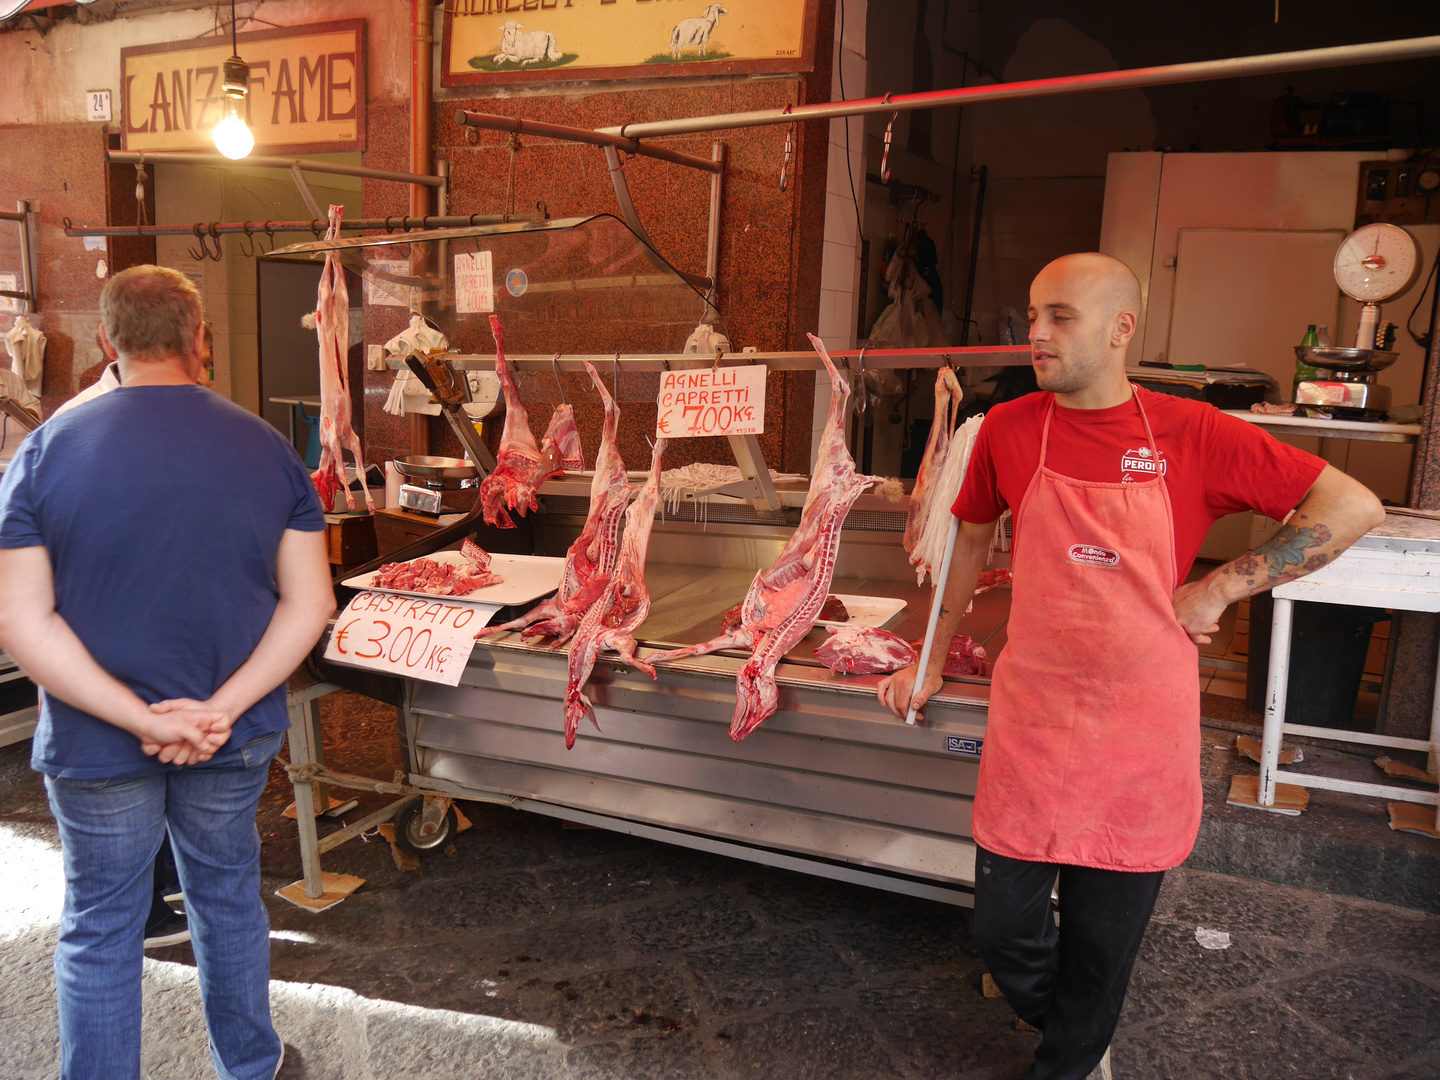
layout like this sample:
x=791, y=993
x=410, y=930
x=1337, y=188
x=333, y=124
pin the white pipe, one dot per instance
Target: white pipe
x=1276, y=692
x=930, y=626
x=1200, y=71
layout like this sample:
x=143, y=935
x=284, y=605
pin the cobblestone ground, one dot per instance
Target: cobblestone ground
x=537, y=951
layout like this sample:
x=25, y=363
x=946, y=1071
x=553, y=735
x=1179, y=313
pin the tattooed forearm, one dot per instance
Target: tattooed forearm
x=1284, y=556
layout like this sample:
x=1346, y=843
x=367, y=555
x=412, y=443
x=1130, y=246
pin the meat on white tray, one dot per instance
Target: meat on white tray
x=456, y=576
x=865, y=650
x=784, y=601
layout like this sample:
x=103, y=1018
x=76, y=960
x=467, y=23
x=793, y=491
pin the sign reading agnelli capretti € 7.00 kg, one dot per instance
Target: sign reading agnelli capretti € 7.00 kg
x=307, y=90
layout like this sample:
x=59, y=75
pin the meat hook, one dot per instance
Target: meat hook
x=250, y=254
x=204, y=253
x=615, y=376
x=885, y=156
x=718, y=354
x=214, y=231
x=555, y=367
x=785, y=161
x=270, y=232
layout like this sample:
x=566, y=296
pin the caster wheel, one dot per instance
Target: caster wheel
x=407, y=830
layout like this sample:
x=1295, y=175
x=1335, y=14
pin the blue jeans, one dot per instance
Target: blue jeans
x=110, y=831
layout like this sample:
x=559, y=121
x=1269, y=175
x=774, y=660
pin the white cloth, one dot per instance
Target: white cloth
x=26, y=346
x=109, y=380
x=418, y=336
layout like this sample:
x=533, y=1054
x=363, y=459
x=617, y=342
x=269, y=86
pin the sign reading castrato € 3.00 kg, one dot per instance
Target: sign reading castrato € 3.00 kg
x=498, y=41
x=307, y=90
x=718, y=401
x=403, y=635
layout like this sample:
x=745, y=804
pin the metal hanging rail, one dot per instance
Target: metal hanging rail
x=857, y=359
x=316, y=226
x=177, y=157
x=1200, y=71
x=516, y=126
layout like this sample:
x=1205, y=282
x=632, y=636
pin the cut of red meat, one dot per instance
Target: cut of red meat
x=833, y=611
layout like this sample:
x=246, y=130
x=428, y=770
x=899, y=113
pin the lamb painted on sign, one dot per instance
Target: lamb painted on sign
x=695, y=33
x=523, y=49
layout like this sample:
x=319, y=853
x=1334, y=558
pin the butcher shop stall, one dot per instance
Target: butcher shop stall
x=679, y=640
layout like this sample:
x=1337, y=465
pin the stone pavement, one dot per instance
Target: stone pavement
x=537, y=951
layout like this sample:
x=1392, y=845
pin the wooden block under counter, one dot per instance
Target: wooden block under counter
x=350, y=538
x=394, y=528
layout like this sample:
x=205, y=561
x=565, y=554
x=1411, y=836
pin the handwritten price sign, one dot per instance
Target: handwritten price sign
x=720, y=401
x=402, y=635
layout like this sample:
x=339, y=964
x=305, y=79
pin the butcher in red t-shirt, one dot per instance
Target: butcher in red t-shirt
x=1091, y=763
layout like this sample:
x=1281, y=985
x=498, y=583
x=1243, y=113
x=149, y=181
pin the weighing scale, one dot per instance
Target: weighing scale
x=1374, y=264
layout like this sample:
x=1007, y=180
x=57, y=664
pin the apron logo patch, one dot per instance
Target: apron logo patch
x=1090, y=555
x=1140, y=464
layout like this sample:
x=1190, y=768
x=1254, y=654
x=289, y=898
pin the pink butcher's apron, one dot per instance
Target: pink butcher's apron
x=1092, y=747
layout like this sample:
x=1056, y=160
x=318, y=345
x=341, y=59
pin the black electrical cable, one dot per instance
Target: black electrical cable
x=1423, y=340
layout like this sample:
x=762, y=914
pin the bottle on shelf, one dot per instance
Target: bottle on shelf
x=1304, y=371
x=1322, y=334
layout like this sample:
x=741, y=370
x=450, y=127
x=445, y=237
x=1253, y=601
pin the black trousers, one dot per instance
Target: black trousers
x=1069, y=982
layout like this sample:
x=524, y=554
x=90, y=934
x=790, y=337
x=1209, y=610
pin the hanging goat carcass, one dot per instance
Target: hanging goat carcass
x=332, y=326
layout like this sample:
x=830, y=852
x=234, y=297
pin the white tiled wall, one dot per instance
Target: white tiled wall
x=840, y=266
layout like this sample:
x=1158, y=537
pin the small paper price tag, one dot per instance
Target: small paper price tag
x=403, y=635
x=718, y=401
x=474, y=283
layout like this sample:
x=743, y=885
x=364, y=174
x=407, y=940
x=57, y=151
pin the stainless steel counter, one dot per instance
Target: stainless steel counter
x=830, y=784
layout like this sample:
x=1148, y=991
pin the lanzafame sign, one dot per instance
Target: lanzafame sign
x=307, y=90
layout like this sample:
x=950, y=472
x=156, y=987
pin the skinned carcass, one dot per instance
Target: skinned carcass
x=947, y=402
x=591, y=557
x=520, y=465
x=336, y=433
x=784, y=601
x=929, y=550
x=623, y=604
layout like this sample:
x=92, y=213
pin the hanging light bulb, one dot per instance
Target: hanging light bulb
x=233, y=136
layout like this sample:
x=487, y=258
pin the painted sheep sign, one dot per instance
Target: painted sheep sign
x=501, y=41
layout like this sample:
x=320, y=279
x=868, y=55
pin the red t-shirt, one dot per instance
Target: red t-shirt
x=1213, y=464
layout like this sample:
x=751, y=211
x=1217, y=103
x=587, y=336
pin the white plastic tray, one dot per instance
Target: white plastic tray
x=873, y=611
x=522, y=578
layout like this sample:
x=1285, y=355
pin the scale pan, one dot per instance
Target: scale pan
x=1340, y=359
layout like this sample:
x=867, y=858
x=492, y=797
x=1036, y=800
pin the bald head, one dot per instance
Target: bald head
x=1105, y=280
x=1084, y=309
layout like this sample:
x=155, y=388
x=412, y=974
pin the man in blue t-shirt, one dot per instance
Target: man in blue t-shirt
x=163, y=569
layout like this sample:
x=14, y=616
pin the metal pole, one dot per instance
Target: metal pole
x=27, y=268
x=934, y=620
x=253, y=228
x=1275, y=696
x=974, y=256
x=632, y=219
x=712, y=243
x=516, y=126
x=1233, y=68
x=177, y=157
